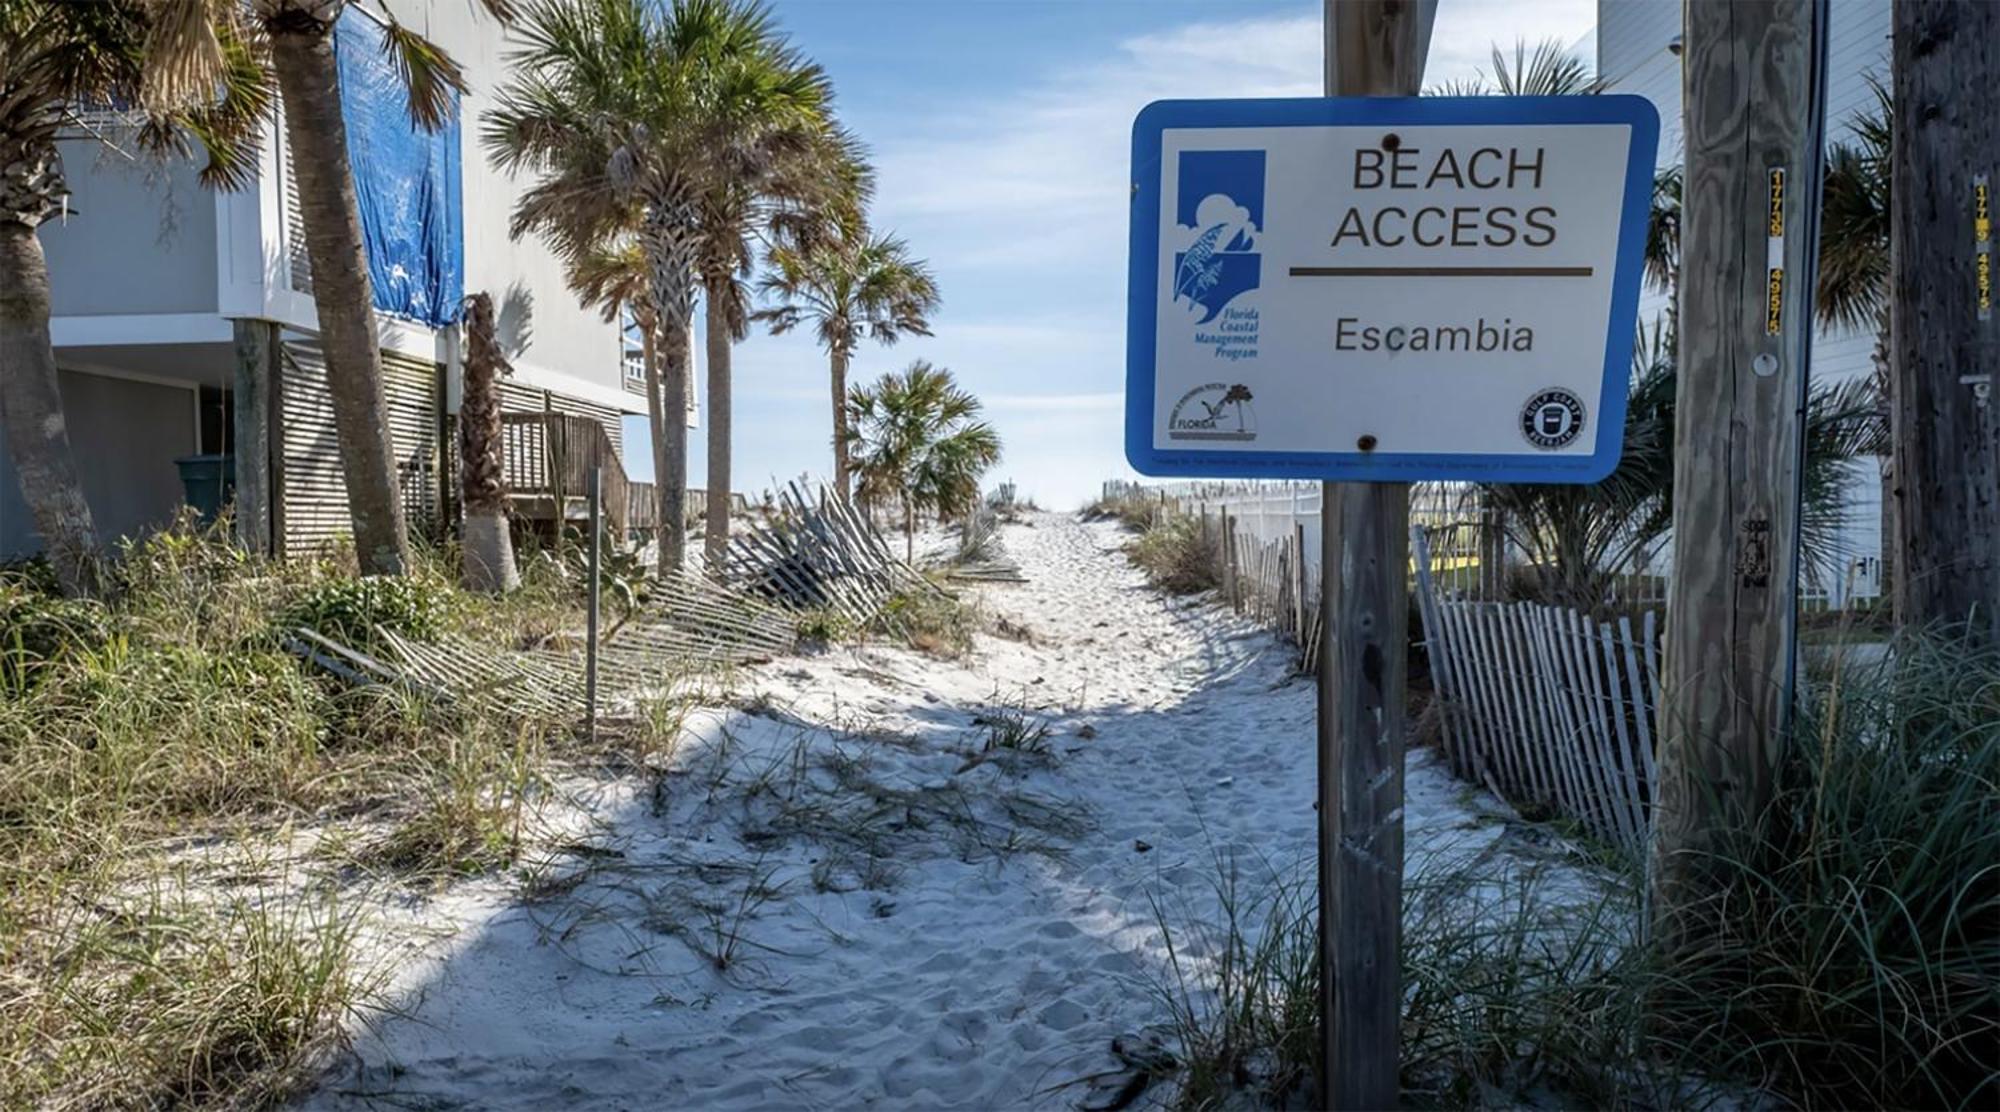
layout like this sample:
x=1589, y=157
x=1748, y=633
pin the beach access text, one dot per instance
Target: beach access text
x=1385, y=289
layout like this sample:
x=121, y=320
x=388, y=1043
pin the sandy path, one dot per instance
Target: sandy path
x=943, y=965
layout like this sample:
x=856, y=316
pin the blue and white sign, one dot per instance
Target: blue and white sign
x=1386, y=289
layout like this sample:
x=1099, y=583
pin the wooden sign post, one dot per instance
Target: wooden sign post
x=1371, y=289
x=1373, y=48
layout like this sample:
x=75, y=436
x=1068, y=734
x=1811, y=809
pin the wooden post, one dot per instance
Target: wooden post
x=1945, y=335
x=1756, y=98
x=1299, y=601
x=256, y=373
x=1373, y=48
x=595, y=481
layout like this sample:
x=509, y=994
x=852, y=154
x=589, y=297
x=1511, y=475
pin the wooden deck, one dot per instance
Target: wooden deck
x=547, y=459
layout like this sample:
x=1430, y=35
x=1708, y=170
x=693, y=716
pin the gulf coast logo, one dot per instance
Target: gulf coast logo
x=1218, y=219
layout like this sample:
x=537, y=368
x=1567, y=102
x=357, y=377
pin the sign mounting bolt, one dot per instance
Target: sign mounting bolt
x=1367, y=442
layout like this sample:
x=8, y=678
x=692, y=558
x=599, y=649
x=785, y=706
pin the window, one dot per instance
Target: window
x=631, y=347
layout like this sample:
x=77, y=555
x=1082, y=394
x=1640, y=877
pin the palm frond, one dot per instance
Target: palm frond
x=184, y=59
x=1549, y=71
x=432, y=80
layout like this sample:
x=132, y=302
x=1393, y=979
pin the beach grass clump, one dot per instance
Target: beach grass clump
x=1239, y=988
x=1175, y=556
x=174, y=1001
x=931, y=620
x=1012, y=729
x=1847, y=955
x=1851, y=950
x=1133, y=509
x=151, y=740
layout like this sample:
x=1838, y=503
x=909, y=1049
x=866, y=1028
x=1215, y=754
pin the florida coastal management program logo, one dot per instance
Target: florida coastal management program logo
x=1213, y=411
x=1218, y=217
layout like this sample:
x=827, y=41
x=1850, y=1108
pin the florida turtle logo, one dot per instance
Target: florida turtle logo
x=1218, y=214
x=1214, y=411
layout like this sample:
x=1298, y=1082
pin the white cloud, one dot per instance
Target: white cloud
x=1044, y=176
x=1021, y=203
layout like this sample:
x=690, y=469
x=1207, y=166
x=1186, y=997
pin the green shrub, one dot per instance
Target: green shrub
x=349, y=610
x=37, y=628
x=824, y=625
x=1174, y=556
x=930, y=620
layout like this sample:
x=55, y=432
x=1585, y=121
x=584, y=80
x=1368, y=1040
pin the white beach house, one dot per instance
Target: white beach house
x=175, y=308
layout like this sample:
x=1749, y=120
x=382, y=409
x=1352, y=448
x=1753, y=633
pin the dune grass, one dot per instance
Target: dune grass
x=152, y=746
x=1849, y=956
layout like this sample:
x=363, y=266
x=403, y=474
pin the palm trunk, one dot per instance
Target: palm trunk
x=302, y=55
x=840, y=484
x=1885, y=384
x=671, y=245
x=671, y=464
x=31, y=411
x=909, y=532
x=649, y=346
x=489, y=549
x=716, y=534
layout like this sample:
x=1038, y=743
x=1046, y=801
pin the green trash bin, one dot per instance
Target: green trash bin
x=210, y=482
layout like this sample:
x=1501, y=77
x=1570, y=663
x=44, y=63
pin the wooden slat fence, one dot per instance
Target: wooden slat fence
x=1267, y=576
x=1551, y=709
x=819, y=552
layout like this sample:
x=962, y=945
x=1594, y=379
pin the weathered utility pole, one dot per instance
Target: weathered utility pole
x=1755, y=95
x=1373, y=48
x=1945, y=335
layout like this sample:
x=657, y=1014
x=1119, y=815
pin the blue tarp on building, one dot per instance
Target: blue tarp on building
x=406, y=181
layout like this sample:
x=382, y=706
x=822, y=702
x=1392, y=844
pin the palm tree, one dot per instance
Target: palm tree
x=301, y=37
x=613, y=278
x=57, y=60
x=799, y=199
x=917, y=440
x=1853, y=287
x=489, y=549
x=861, y=285
x=1549, y=71
x=1581, y=539
x=632, y=113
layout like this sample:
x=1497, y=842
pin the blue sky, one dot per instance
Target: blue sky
x=1000, y=132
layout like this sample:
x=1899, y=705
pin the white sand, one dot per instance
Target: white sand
x=977, y=962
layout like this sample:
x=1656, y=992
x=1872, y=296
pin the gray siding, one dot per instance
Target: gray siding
x=125, y=436
x=312, y=487
x=138, y=239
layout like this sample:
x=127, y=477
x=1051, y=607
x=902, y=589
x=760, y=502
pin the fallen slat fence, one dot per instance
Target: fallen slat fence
x=1549, y=708
x=816, y=553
